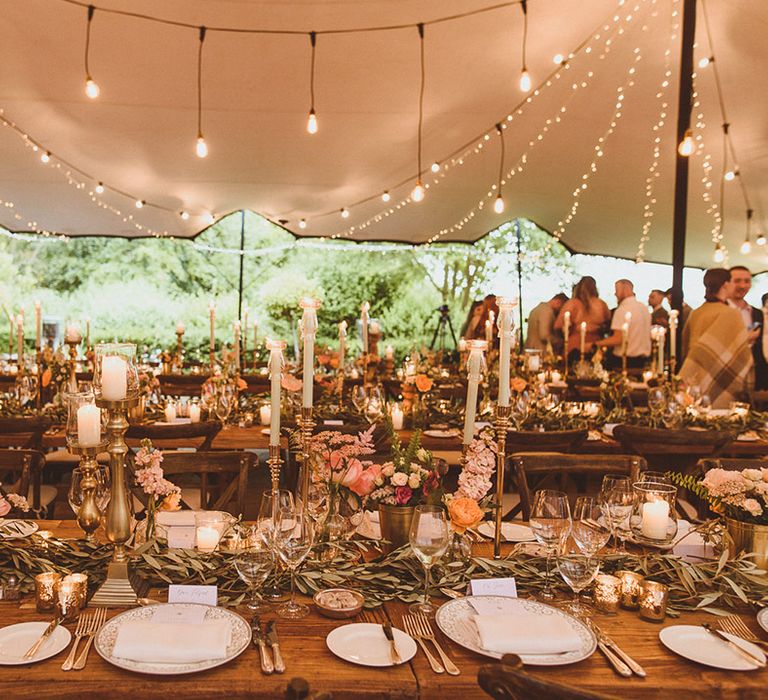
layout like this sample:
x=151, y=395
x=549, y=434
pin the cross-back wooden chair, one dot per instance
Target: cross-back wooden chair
x=549, y=441
x=507, y=680
x=25, y=433
x=199, y=435
x=546, y=467
x=219, y=478
x=21, y=472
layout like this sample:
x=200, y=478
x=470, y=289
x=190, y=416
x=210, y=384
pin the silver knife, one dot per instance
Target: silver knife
x=267, y=666
x=274, y=642
x=393, y=647
x=46, y=633
x=621, y=668
x=626, y=658
x=748, y=655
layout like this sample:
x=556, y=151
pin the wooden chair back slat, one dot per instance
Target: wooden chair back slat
x=205, y=431
x=24, y=433
x=548, y=441
x=26, y=466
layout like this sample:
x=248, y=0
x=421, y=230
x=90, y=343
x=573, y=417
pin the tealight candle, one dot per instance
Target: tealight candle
x=631, y=587
x=397, y=417
x=194, y=413
x=207, y=538
x=45, y=590
x=265, y=414
x=653, y=601
x=607, y=593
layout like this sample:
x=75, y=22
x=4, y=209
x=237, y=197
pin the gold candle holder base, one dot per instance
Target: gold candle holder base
x=274, y=463
x=306, y=425
x=501, y=426
x=88, y=515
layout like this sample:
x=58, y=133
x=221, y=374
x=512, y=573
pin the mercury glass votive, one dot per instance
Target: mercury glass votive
x=607, y=593
x=79, y=583
x=45, y=590
x=631, y=588
x=67, y=599
x=653, y=601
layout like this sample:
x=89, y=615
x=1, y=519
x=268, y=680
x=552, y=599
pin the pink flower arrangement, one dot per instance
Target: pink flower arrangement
x=11, y=501
x=479, y=466
x=739, y=492
x=149, y=475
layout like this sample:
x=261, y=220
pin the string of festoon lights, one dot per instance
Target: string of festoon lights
x=38, y=235
x=653, y=170
x=607, y=30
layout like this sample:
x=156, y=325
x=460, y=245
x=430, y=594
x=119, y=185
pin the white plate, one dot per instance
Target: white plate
x=11, y=529
x=695, y=643
x=762, y=619
x=451, y=432
x=265, y=431
x=15, y=641
x=454, y=619
x=364, y=643
x=511, y=532
x=105, y=640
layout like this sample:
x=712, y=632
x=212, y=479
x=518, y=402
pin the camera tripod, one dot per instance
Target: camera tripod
x=441, y=330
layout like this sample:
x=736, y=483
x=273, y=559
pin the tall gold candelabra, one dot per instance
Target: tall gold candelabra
x=118, y=589
x=89, y=514
x=502, y=426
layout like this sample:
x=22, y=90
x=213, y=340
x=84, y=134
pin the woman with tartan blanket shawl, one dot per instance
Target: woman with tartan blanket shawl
x=716, y=351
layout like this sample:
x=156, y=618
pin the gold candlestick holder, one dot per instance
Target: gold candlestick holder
x=88, y=515
x=501, y=426
x=118, y=590
x=72, y=381
x=306, y=425
x=274, y=461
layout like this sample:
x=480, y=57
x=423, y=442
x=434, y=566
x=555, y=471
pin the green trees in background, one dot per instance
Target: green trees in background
x=137, y=290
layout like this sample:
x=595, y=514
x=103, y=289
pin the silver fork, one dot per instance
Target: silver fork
x=426, y=630
x=735, y=625
x=409, y=622
x=98, y=619
x=82, y=624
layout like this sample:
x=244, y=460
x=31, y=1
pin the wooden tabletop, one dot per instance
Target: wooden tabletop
x=306, y=656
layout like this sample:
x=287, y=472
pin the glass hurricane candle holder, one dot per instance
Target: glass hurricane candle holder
x=115, y=375
x=653, y=519
x=607, y=593
x=85, y=421
x=45, y=590
x=631, y=589
x=209, y=528
x=653, y=601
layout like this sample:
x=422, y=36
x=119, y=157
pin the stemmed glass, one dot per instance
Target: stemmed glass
x=429, y=541
x=589, y=531
x=656, y=404
x=359, y=397
x=519, y=409
x=75, y=493
x=551, y=523
x=224, y=403
x=374, y=406
x=295, y=533
x=616, y=502
x=578, y=570
x=272, y=503
x=253, y=564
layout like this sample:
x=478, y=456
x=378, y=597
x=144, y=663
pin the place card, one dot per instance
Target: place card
x=493, y=586
x=203, y=595
x=166, y=614
x=333, y=422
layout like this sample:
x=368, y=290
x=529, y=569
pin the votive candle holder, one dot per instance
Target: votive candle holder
x=67, y=599
x=45, y=590
x=607, y=593
x=79, y=584
x=653, y=601
x=631, y=589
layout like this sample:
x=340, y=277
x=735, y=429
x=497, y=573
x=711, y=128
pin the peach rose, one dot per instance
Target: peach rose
x=423, y=383
x=291, y=383
x=366, y=482
x=518, y=384
x=349, y=473
x=464, y=513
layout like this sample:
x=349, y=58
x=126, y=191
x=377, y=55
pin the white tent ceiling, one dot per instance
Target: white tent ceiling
x=138, y=137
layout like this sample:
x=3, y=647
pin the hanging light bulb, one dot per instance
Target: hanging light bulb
x=99, y=189
x=760, y=240
x=498, y=205
x=385, y=197
x=525, y=80
x=730, y=175
x=435, y=167
x=201, y=147
x=312, y=122
x=704, y=62
x=139, y=203
x=184, y=215
x=344, y=213
x=417, y=194
x=302, y=223
x=746, y=247
x=719, y=254
x=45, y=157
x=557, y=58
x=92, y=88
x=686, y=145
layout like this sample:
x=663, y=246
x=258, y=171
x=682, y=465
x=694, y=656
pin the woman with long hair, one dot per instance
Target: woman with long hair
x=585, y=306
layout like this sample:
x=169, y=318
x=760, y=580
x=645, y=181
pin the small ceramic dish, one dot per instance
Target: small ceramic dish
x=339, y=603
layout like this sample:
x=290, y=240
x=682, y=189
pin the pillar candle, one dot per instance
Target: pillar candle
x=309, y=330
x=20, y=338
x=275, y=348
x=475, y=365
x=566, y=328
x=88, y=425
x=505, y=339
x=673, y=333
x=655, y=520
x=194, y=413
x=583, y=336
x=660, y=345
x=170, y=412
x=207, y=538
x=38, y=326
x=114, y=378
x=180, y=328
x=389, y=353
x=236, y=332
x=342, y=344
x=12, y=320
x=624, y=338
x=245, y=333
x=397, y=417
x=265, y=414
x=212, y=317
x=364, y=325
x=87, y=333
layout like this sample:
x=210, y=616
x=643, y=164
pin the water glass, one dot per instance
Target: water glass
x=589, y=531
x=578, y=570
x=272, y=503
x=550, y=522
x=295, y=534
x=253, y=565
x=429, y=540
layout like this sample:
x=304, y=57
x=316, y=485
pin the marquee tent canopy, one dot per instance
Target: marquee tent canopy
x=581, y=144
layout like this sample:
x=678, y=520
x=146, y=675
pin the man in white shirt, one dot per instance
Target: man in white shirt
x=636, y=316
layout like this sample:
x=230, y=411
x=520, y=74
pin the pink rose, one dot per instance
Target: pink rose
x=349, y=472
x=366, y=482
x=403, y=495
x=5, y=507
x=336, y=460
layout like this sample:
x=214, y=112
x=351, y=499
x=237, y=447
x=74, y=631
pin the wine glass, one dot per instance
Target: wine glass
x=224, y=403
x=318, y=501
x=653, y=477
x=616, y=502
x=253, y=565
x=589, y=531
x=374, y=407
x=656, y=403
x=359, y=397
x=550, y=521
x=578, y=569
x=429, y=541
x=272, y=503
x=295, y=534
x=75, y=493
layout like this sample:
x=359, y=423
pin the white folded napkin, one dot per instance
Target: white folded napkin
x=177, y=518
x=147, y=641
x=526, y=633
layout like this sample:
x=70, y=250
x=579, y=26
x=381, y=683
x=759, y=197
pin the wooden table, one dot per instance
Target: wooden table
x=306, y=655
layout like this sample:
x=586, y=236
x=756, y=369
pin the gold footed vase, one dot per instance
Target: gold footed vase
x=395, y=522
x=88, y=515
x=749, y=538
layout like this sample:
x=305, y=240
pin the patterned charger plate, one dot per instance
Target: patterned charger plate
x=105, y=641
x=454, y=618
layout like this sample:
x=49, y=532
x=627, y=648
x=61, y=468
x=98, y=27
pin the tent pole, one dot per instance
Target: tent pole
x=242, y=256
x=684, y=103
x=519, y=278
